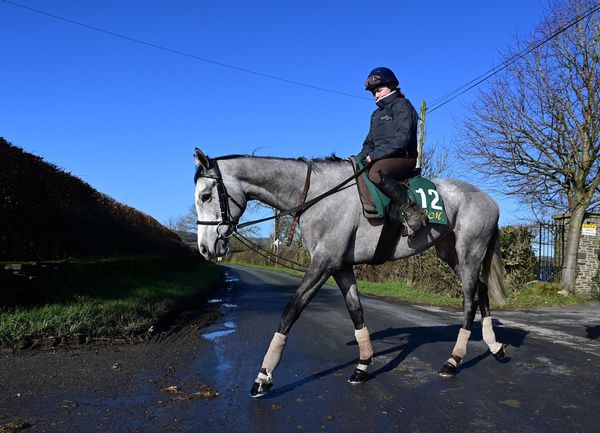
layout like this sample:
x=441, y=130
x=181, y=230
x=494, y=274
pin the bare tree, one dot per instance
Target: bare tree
x=536, y=127
x=435, y=162
x=186, y=223
x=183, y=223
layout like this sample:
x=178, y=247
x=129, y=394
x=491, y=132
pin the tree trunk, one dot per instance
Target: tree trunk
x=569, y=268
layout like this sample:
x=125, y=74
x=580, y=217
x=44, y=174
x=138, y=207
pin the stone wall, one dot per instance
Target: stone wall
x=588, y=254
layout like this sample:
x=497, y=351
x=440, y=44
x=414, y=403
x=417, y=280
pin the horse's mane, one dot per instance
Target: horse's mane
x=331, y=158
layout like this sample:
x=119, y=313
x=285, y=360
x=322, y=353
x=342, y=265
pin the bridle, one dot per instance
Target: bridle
x=224, y=198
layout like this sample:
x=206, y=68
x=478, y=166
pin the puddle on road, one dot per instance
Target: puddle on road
x=216, y=331
x=214, y=301
x=217, y=334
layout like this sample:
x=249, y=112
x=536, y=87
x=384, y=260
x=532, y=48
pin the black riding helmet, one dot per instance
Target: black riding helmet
x=379, y=77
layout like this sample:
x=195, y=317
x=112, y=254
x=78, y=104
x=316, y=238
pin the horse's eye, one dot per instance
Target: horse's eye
x=205, y=197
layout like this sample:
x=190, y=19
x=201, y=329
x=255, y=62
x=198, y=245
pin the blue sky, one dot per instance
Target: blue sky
x=126, y=117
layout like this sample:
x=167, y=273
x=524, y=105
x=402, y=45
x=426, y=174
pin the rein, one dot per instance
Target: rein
x=308, y=204
x=233, y=226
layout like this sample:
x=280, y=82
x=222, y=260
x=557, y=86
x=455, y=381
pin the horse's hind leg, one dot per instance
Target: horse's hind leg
x=316, y=275
x=346, y=281
x=469, y=283
x=497, y=349
x=466, y=262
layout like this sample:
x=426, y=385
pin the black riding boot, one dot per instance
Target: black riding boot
x=413, y=214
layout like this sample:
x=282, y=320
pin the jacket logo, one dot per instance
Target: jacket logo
x=386, y=117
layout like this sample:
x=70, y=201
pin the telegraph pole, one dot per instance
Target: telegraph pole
x=421, y=139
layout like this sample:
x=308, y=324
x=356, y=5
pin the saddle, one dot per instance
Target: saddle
x=375, y=204
x=376, y=208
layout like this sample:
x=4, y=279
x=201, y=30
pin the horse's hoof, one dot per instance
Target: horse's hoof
x=448, y=370
x=358, y=376
x=260, y=388
x=501, y=354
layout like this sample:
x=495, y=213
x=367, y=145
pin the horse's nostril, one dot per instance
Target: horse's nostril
x=203, y=249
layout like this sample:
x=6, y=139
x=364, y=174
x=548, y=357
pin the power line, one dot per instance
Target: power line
x=184, y=54
x=436, y=104
x=443, y=100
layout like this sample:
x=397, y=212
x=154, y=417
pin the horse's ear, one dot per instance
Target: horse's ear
x=200, y=159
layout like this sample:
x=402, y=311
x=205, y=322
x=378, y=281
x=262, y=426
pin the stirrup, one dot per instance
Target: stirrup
x=414, y=220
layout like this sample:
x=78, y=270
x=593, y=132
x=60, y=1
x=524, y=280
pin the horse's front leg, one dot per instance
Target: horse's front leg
x=346, y=281
x=316, y=275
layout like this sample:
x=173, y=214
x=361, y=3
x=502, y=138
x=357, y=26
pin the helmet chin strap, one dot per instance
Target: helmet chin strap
x=383, y=97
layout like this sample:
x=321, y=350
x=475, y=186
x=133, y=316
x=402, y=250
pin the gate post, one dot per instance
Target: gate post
x=588, y=253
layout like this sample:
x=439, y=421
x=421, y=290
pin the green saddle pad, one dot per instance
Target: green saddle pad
x=421, y=190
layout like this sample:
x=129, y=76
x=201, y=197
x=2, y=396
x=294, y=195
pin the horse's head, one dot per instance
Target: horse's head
x=220, y=203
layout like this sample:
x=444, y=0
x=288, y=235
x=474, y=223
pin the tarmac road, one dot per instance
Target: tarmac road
x=550, y=383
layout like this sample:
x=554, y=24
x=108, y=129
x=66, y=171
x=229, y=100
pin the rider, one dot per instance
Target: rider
x=391, y=145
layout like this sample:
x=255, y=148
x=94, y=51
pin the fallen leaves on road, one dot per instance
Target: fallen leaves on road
x=511, y=403
x=14, y=427
x=204, y=391
x=171, y=389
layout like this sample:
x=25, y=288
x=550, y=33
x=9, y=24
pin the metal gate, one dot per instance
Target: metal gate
x=548, y=243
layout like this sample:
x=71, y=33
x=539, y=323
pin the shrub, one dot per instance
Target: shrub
x=520, y=262
x=46, y=214
x=425, y=271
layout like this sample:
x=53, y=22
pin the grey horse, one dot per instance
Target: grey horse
x=337, y=236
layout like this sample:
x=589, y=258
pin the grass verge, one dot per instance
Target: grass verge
x=128, y=305
x=395, y=290
x=534, y=295
x=538, y=294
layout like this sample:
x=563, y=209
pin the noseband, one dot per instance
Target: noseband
x=223, y=203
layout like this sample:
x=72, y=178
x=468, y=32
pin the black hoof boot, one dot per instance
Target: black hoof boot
x=358, y=376
x=501, y=354
x=448, y=370
x=260, y=388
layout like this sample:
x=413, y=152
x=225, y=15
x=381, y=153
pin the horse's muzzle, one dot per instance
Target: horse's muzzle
x=219, y=250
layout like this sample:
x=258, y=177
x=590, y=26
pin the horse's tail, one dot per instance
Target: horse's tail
x=493, y=269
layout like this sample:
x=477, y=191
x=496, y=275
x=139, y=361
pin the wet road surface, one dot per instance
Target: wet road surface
x=550, y=383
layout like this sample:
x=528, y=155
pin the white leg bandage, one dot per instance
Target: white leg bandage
x=273, y=355
x=488, y=335
x=364, y=346
x=460, y=348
